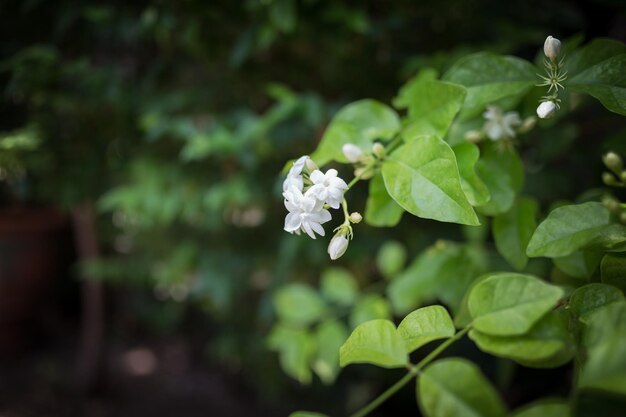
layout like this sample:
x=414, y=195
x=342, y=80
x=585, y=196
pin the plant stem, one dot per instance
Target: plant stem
x=413, y=371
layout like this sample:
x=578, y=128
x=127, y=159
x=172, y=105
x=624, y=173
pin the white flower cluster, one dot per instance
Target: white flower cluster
x=553, y=79
x=307, y=192
x=500, y=125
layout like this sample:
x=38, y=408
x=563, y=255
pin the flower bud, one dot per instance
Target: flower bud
x=546, y=109
x=473, y=136
x=527, y=125
x=622, y=217
x=623, y=176
x=364, y=173
x=355, y=217
x=352, y=152
x=613, y=162
x=310, y=165
x=337, y=246
x=552, y=48
x=378, y=149
x=610, y=203
x=608, y=178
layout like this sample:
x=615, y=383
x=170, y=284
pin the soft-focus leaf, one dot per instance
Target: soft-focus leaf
x=370, y=307
x=512, y=231
x=423, y=178
x=296, y=348
x=339, y=286
x=298, y=304
x=425, y=325
x=585, y=300
x=330, y=336
x=380, y=209
x=567, y=229
x=376, y=342
x=508, y=304
x=456, y=387
x=502, y=172
x=549, y=338
x=489, y=78
x=431, y=106
x=545, y=408
x=359, y=123
x=579, y=264
x=599, y=69
x=390, y=259
x=475, y=190
x=605, y=368
x=613, y=270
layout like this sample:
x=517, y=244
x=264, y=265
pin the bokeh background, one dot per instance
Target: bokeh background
x=141, y=148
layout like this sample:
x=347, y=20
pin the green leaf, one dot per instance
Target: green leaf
x=613, y=270
x=489, y=78
x=431, y=105
x=423, y=178
x=545, y=408
x=330, y=336
x=443, y=271
x=585, y=300
x=512, y=231
x=339, y=286
x=605, y=368
x=296, y=348
x=376, y=342
x=508, y=304
x=359, y=123
x=390, y=259
x=568, y=228
x=370, y=307
x=502, y=172
x=579, y=264
x=425, y=325
x=298, y=304
x=456, y=387
x=599, y=69
x=475, y=190
x=549, y=338
x=380, y=209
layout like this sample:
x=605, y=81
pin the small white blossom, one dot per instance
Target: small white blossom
x=378, y=149
x=546, y=109
x=355, y=217
x=294, y=176
x=306, y=214
x=552, y=48
x=328, y=188
x=500, y=125
x=337, y=246
x=352, y=152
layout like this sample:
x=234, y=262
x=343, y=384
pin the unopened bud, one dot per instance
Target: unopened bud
x=610, y=203
x=608, y=178
x=310, y=165
x=527, y=125
x=364, y=173
x=352, y=152
x=546, y=109
x=623, y=176
x=355, y=217
x=552, y=48
x=473, y=136
x=613, y=162
x=378, y=149
x=622, y=217
x=337, y=246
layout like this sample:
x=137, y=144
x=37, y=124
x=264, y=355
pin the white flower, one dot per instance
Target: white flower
x=294, y=177
x=305, y=213
x=352, y=152
x=546, y=109
x=327, y=187
x=337, y=246
x=552, y=47
x=500, y=125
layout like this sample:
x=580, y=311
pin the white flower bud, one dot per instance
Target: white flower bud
x=552, y=47
x=378, y=149
x=352, y=152
x=613, y=162
x=310, y=165
x=337, y=246
x=546, y=109
x=473, y=136
x=355, y=217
